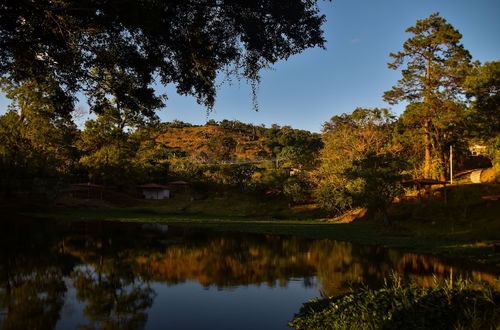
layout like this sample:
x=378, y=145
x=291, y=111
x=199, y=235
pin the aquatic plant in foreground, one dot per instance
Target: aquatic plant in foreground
x=459, y=304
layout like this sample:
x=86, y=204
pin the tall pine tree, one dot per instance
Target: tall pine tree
x=434, y=65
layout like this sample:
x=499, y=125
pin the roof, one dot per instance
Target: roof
x=459, y=174
x=87, y=185
x=425, y=182
x=153, y=186
x=179, y=182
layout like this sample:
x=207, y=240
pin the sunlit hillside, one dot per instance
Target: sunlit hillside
x=206, y=140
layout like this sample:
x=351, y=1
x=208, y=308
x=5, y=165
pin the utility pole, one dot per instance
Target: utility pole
x=451, y=164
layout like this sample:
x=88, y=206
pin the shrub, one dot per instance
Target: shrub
x=440, y=307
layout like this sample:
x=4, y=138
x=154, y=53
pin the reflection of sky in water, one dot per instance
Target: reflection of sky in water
x=190, y=305
x=72, y=312
x=90, y=274
x=248, y=307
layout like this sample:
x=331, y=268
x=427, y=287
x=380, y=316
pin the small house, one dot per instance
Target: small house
x=154, y=191
x=478, y=150
x=86, y=190
x=179, y=185
x=291, y=171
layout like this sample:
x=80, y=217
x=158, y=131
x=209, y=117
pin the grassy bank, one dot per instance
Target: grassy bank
x=449, y=305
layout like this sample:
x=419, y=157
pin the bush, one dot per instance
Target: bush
x=297, y=190
x=411, y=307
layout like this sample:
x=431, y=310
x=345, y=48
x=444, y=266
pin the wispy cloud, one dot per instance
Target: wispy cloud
x=355, y=41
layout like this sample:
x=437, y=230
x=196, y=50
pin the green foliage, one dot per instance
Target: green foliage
x=435, y=65
x=222, y=147
x=271, y=181
x=239, y=174
x=435, y=61
x=113, y=156
x=36, y=142
x=175, y=124
x=78, y=46
x=231, y=174
x=374, y=181
x=297, y=189
x=186, y=170
x=444, y=306
x=296, y=147
x=107, y=151
x=333, y=195
x=483, y=122
x=211, y=122
x=349, y=138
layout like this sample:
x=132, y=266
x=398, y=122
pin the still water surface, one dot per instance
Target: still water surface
x=112, y=275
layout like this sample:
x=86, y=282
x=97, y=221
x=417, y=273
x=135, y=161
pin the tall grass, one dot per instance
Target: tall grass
x=450, y=304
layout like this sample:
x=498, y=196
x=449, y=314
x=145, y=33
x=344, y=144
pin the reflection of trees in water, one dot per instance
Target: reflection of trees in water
x=229, y=261
x=343, y=265
x=113, y=300
x=339, y=266
x=423, y=269
x=116, y=296
x=32, y=289
x=32, y=301
x=36, y=257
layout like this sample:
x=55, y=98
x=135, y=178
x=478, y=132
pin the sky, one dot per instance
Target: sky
x=309, y=88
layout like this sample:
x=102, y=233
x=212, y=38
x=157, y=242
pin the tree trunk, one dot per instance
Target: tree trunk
x=426, y=126
x=442, y=168
x=427, y=146
x=387, y=221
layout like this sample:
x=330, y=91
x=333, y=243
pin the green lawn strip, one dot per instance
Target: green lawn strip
x=362, y=232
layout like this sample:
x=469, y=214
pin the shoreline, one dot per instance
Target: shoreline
x=361, y=231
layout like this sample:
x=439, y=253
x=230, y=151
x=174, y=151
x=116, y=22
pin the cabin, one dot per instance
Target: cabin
x=86, y=190
x=478, y=150
x=291, y=171
x=178, y=185
x=155, y=191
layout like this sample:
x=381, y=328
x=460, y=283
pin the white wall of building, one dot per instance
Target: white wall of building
x=156, y=193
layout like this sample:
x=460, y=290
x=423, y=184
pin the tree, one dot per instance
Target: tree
x=299, y=147
x=77, y=45
x=348, y=138
x=211, y=122
x=107, y=150
x=446, y=130
x=36, y=142
x=222, y=147
x=238, y=174
x=375, y=181
x=482, y=86
x=297, y=189
x=435, y=66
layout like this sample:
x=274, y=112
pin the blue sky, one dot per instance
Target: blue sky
x=309, y=88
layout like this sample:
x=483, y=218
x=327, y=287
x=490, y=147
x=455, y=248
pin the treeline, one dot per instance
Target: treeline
x=359, y=159
x=451, y=102
x=43, y=152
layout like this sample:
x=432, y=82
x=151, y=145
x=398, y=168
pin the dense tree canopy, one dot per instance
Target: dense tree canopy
x=349, y=138
x=121, y=48
x=482, y=85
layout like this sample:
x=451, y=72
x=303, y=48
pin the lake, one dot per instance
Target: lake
x=113, y=275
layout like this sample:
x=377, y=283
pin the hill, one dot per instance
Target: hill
x=233, y=140
x=205, y=142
